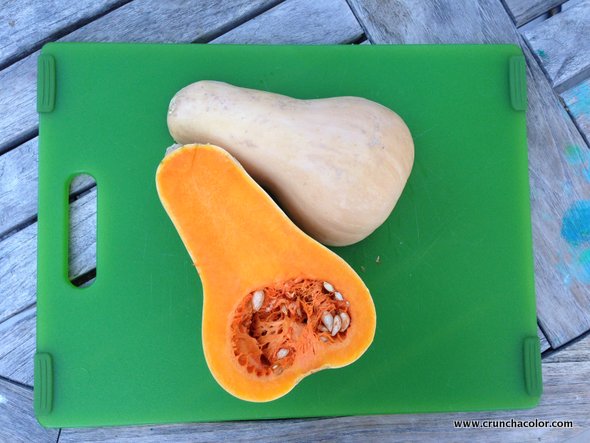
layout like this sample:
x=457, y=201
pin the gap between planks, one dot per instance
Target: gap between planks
x=523, y=12
x=583, y=338
x=237, y=23
x=16, y=383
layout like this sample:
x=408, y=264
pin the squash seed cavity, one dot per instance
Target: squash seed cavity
x=275, y=325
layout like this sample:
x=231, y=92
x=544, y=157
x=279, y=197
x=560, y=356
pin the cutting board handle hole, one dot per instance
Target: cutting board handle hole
x=82, y=236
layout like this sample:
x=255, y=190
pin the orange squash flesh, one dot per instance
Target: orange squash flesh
x=242, y=243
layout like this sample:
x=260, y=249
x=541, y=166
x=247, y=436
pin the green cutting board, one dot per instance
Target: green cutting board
x=451, y=271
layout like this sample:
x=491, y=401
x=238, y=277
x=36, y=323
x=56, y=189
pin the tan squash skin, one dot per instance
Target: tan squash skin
x=336, y=165
x=240, y=240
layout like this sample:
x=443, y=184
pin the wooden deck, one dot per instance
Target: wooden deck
x=555, y=37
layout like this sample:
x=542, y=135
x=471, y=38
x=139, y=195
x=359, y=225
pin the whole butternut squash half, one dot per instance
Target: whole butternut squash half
x=336, y=165
x=277, y=304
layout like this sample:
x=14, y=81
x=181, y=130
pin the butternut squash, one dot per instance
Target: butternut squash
x=277, y=304
x=336, y=165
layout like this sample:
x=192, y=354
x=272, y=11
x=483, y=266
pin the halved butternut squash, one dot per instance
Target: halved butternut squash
x=277, y=304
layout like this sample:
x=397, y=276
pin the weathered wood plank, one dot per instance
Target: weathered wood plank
x=17, y=420
x=17, y=346
x=18, y=116
x=27, y=25
x=18, y=257
x=523, y=11
x=558, y=188
x=566, y=397
x=562, y=45
x=577, y=99
x=299, y=22
x=139, y=21
x=544, y=343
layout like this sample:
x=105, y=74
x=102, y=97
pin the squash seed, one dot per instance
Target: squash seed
x=338, y=296
x=345, y=321
x=322, y=328
x=257, y=300
x=328, y=287
x=337, y=325
x=282, y=353
x=328, y=320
